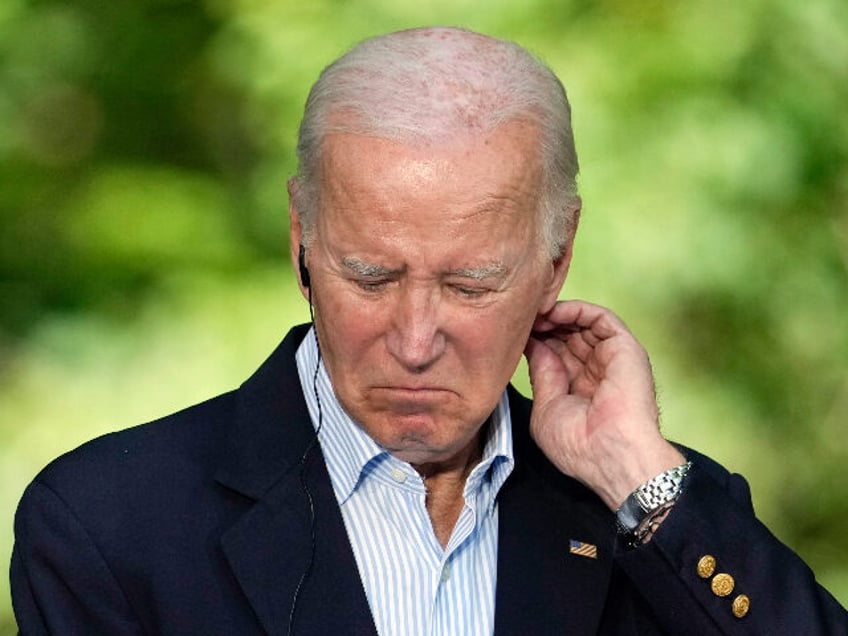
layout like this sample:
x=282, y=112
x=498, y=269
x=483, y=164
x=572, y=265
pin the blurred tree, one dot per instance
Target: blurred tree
x=125, y=157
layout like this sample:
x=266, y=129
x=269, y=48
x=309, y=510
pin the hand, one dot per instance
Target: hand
x=595, y=412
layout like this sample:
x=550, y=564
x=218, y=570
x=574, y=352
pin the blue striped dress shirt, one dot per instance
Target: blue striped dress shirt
x=414, y=586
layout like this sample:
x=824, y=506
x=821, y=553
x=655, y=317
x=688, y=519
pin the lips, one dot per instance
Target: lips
x=409, y=400
x=413, y=391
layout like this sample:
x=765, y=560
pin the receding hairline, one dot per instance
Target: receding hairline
x=404, y=88
x=466, y=84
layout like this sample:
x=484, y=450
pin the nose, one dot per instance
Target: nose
x=416, y=339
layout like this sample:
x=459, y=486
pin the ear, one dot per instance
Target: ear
x=295, y=235
x=560, y=265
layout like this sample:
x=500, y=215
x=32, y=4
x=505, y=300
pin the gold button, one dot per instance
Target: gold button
x=741, y=605
x=706, y=566
x=722, y=584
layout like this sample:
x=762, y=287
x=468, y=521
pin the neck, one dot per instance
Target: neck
x=445, y=483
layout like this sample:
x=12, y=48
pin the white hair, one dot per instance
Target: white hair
x=427, y=85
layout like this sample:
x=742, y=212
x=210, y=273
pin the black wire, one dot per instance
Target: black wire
x=308, y=570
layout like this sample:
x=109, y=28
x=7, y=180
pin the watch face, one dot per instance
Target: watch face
x=630, y=515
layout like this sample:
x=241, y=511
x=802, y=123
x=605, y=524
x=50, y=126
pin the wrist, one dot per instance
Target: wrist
x=638, y=467
x=647, y=507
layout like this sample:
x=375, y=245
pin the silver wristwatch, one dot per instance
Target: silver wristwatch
x=649, y=501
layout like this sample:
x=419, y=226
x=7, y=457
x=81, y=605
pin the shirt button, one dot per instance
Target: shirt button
x=446, y=573
x=398, y=475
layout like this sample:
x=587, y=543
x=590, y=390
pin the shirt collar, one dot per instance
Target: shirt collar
x=349, y=451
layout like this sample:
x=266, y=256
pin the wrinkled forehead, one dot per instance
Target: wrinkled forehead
x=511, y=148
x=367, y=180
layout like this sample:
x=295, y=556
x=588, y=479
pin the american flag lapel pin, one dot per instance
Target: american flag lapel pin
x=583, y=549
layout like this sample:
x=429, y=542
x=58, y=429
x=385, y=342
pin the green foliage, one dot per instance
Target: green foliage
x=145, y=145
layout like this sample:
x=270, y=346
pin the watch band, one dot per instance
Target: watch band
x=649, y=501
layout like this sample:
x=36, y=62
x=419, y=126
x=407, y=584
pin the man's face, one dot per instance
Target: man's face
x=427, y=272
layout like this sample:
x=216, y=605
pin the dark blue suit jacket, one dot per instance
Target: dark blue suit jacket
x=199, y=524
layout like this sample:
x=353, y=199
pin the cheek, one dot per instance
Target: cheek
x=347, y=331
x=495, y=339
x=515, y=325
x=515, y=318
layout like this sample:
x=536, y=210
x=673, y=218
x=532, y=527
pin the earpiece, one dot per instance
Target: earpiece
x=304, y=271
x=305, y=281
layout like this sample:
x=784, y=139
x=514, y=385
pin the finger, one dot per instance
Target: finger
x=579, y=345
x=578, y=315
x=583, y=367
x=548, y=371
x=555, y=370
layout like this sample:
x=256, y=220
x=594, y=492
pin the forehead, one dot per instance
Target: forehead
x=484, y=178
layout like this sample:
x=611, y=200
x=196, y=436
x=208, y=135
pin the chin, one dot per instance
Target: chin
x=419, y=435
x=422, y=455
x=422, y=445
x=404, y=434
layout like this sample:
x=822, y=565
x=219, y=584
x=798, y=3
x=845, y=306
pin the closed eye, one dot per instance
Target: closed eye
x=470, y=292
x=372, y=285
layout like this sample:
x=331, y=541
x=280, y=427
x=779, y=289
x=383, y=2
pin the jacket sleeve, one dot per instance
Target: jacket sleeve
x=757, y=584
x=61, y=583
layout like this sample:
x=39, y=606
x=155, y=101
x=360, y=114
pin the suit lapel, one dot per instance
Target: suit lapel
x=269, y=552
x=270, y=548
x=543, y=586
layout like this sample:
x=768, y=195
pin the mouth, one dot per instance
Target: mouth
x=413, y=391
x=412, y=399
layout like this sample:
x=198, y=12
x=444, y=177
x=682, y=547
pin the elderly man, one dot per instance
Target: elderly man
x=378, y=474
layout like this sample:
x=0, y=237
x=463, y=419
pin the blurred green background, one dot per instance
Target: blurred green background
x=145, y=144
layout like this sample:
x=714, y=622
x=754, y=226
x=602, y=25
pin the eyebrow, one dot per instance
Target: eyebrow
x=490, y=270
x=367, y=270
